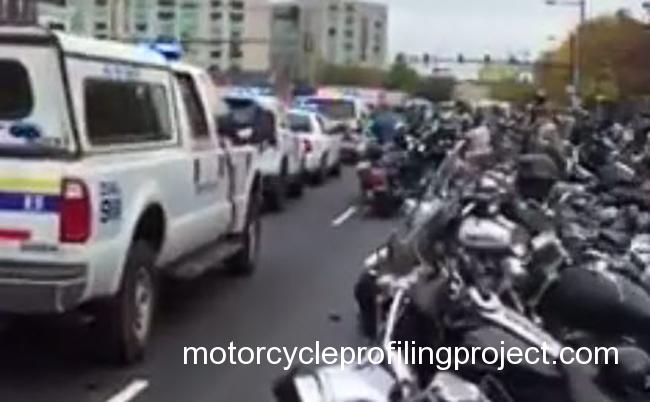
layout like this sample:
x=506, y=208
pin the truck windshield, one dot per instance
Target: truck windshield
x=334, y=109
x=299, y=123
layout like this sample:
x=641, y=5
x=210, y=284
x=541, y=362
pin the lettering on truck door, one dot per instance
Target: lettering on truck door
x=210, y=201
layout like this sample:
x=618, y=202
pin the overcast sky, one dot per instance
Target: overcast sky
x=476, y=27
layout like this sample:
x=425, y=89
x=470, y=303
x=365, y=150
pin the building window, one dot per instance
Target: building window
x=236, y=17
x=216, y=3
x=216, y=16
x=349, y=8
x=235, y=34
x=237, y=5
x=379, y=24
x=349, y=20
x=141, y=27
x=334, y=7
x=166, y=15
x=235, y=50
x=56, y=26
x=100, y=26
x=101, y=3
x=377, y=49
x=167, y=2
x=216, y=54
x=101, y=36
x=349, y=47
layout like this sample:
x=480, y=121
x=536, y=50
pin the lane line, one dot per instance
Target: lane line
x=130, y=392
x=344, y=216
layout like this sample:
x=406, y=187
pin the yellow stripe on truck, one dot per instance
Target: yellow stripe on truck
x=30, y=185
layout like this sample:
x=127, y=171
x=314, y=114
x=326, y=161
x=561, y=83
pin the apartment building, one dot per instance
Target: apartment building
x=347, y=32
x=220, y=34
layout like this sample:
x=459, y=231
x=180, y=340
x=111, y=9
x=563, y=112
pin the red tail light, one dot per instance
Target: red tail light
x=75, y=212
x=377, y=179
x=308, y=146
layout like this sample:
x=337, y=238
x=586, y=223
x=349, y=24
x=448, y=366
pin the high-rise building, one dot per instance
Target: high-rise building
x=307, y=33
x=287, y=53
x=347, y=32
x=219, y=34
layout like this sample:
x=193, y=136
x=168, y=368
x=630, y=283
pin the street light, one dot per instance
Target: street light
x=582, y=6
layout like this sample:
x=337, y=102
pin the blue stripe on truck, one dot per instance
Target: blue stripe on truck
x=29, y=203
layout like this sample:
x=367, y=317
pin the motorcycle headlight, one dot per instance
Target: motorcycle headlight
x=520, y=249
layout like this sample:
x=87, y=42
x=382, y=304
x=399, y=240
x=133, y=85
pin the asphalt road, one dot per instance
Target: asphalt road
x=302, y=293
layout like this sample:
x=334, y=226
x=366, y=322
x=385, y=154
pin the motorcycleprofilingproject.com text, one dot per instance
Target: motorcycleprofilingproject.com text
x=444, y=358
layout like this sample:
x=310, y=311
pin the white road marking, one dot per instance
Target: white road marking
x=344, y=216
x=130, y=391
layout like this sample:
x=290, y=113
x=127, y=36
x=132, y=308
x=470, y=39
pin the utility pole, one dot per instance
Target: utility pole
x=578, y=41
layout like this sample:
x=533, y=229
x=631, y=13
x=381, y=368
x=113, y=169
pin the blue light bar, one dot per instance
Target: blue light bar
x=172, y=50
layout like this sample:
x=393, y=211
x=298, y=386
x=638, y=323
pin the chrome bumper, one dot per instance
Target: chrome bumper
x=33, y=288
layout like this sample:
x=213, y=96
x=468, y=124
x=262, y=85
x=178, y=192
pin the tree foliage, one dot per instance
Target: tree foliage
x=615, y=62
x=400, y=77
x=436, y=89
x=512, y=91
x=351, y=76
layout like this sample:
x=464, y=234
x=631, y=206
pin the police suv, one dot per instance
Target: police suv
x=113, y=174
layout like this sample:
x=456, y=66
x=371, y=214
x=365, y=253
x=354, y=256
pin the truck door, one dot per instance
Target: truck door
x=209, y=203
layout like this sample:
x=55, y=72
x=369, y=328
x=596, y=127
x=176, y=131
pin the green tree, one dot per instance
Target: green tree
x=512, y=91
x=351, y=76
x=402, y=77
x=436, y=89
x=614, y=62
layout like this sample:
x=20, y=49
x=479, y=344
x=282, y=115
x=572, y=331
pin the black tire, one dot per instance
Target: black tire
x=244, y=263
x=297, y=187
x=124, y=323
x=336, y=170
x=276, y=197
x=318, y=178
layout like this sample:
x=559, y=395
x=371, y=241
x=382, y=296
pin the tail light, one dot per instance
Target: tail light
x=377, y=179
x=308, y=146
x=75, y=212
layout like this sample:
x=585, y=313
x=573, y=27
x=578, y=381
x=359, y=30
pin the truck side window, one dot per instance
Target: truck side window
x=125, y=112
x=16, y=99
x=195, y=110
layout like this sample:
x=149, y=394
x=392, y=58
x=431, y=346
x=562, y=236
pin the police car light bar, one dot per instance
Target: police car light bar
x=18, y=12
x=172, y=50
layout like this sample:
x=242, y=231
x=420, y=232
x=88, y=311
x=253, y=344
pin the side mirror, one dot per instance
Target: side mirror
x=265, y=129
x=225, y=126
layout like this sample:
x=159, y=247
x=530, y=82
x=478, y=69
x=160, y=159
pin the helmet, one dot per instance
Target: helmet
x=632, y=373
x=536, y=176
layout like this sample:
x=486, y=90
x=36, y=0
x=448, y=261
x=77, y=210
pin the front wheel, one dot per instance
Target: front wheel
x=244, y=263
x=125, y=321
x=297, y=187
x=276, y=195
x=336, y=170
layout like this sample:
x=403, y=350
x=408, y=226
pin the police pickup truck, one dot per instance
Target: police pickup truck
x=112, y=175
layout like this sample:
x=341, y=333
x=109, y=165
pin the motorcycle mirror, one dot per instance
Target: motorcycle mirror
x=409, y=206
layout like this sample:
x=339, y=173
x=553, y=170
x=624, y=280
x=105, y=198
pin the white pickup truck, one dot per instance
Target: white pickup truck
x=113, y=174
